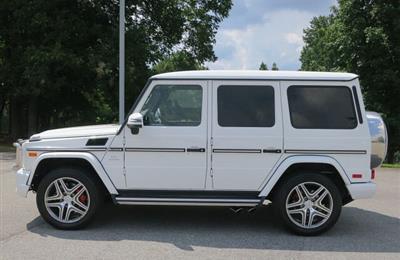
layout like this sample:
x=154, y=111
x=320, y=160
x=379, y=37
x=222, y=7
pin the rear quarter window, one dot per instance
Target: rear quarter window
x=321, y=107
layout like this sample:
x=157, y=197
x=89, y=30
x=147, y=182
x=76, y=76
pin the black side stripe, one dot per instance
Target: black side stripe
x=327, y=151
x=139, y=149
x=115, y=149
x=60, y=149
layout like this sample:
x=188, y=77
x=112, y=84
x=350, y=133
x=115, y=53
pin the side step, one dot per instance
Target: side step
x=187, y=201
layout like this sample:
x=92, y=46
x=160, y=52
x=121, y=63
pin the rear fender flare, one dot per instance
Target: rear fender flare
x=289, y=161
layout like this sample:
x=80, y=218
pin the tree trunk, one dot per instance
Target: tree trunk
x=18, y=119
x=32, y=116
x=390, y=155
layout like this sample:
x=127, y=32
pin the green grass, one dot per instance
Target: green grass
x=389, y=165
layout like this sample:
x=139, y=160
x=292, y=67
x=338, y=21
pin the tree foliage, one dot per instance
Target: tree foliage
x=362, y=37
x=177, y=61
x=263, y=66
x=274, y=66
x=60, y=57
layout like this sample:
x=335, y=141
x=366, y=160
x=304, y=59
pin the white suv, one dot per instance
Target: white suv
x=217, y=138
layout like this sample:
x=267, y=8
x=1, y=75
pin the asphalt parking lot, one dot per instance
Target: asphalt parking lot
x=367, y=229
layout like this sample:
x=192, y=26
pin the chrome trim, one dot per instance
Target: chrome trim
x=379, y=138
x=189, y=204
x=236, y=150
x=186, y=201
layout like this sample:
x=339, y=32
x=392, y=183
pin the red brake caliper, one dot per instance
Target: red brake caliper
x=82, y=198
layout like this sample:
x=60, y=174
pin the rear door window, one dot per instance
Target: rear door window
x=246, y=106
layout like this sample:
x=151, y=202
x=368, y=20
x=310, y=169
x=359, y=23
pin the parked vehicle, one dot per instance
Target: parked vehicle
x=217, y=138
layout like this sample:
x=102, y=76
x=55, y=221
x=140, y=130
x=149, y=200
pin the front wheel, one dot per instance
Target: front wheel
x=308, y=203
x=67, y=198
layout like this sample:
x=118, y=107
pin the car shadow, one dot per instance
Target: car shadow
x=357, y=230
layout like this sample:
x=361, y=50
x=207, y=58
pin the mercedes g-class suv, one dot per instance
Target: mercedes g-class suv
x=301, y=140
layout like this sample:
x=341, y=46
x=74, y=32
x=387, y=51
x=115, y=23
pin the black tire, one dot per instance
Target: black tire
x=92, y=186
x=282, y=193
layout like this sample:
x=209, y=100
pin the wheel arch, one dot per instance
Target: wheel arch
x=48, y=161
x=292, y=165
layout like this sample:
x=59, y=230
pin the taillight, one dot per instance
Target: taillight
x=372, y=174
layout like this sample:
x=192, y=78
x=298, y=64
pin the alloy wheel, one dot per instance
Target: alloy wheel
x=309, y=205
x=67, y=200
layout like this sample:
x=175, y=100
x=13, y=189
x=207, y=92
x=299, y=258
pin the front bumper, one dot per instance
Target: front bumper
x=361, y=190
x=22, y=182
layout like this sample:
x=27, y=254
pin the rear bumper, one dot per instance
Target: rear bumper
x=361, y=190
x=22, y=180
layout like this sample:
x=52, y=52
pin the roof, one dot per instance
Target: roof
x=257, y=74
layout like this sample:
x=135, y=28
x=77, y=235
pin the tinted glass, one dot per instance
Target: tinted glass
x=246, y=106
x=173, y=105
x=321, y=107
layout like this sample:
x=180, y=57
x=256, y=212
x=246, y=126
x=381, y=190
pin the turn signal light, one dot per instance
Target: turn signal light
x=32, y=154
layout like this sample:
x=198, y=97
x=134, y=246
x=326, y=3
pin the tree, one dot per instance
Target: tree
x=362, y=37
x=263, y=66
x=59, y=59
x=274, y=66
x=177, y=61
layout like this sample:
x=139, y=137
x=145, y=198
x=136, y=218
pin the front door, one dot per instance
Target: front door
x=247, y=137
x=169, y=152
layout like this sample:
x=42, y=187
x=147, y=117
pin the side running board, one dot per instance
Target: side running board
x=187, y=201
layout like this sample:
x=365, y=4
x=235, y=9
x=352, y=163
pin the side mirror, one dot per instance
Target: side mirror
x=135, y=121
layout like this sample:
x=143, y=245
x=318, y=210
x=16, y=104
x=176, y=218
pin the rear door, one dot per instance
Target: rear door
x=247, y=137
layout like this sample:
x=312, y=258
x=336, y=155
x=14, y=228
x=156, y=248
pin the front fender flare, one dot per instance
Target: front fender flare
x=291, y=160
x=90, y=158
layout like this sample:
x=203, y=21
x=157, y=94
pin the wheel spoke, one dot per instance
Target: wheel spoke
x=63, y=185
x=322, y=208
x=61, y=212
x=315, y=194
x=321, y=198
x=68, y=213
x=321, y=214
x=303, y=188
x=294, y=205
x=77, y=210
x=310, y=217
x=78, y=187
x=57, y=196
x=80, y=204
x=54, y=205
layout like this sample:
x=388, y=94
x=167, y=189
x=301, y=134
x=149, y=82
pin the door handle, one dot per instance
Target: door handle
x=196, y=150
x=272, y=150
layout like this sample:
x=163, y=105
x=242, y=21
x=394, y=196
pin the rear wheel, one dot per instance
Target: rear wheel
x=308, y=203
x=67, y=198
